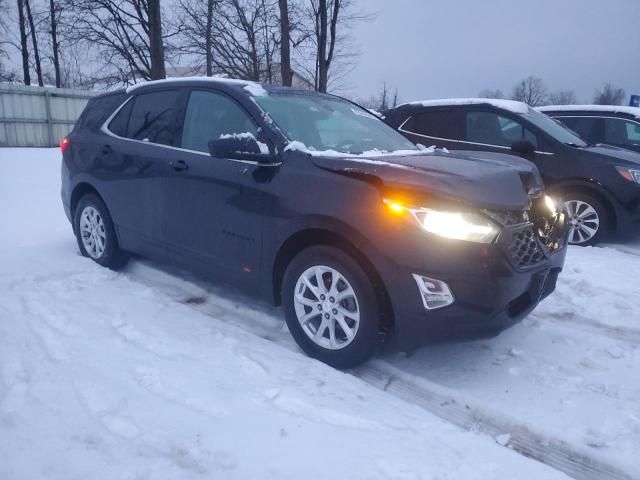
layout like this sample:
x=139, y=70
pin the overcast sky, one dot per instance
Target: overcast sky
x=452, y=48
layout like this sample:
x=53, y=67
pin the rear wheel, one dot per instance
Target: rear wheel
x=587, y=219
x=95, y=233
x=331, y=307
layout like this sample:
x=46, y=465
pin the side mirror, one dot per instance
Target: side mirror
x=523, y=147
x=243, y=146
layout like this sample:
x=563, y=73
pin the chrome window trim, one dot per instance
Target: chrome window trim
x=597, y=116
x=401, y=129
x=105, y=129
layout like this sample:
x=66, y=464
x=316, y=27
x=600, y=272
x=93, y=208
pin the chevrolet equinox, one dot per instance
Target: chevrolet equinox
x=312, y=202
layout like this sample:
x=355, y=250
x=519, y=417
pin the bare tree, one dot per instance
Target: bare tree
x=563, y=97
x=24, y=47
x=195, y=23
x=246, y=39
x=609, y=95
x=531, y=91
x=489, y=93
x=34, y=42
x=325, y=47
x=126, y=37
x=285, y=44
x=383, y=100
x=156, y=43
x=54, y=13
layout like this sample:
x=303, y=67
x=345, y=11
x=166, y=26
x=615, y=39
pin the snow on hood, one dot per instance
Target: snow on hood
x=635, y=111
x=254, y=88
x=511, y=105
x=484, y=180
x=364, y=156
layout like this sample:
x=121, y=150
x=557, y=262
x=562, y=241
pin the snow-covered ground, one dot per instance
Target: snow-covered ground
x=150, y=373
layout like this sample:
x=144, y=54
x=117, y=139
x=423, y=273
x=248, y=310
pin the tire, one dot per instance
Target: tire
x=341, y=349
x=93, y=222
x=584, y=212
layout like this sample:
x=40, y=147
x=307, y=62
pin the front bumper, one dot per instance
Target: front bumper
x=491, y=293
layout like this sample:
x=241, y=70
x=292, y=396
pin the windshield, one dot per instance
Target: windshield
x=323, y=123
x=554, y=128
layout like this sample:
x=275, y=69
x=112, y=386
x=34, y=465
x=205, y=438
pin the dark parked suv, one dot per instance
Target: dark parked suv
x=613, y=125
x=599, y=185
x=313, y=203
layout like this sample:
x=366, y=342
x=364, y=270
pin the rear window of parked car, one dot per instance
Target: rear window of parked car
x=148, y=117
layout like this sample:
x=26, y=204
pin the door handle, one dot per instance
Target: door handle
x=106, y=149
x=179, y=165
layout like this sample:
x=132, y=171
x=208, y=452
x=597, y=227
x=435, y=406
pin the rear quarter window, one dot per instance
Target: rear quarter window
x=98, y=109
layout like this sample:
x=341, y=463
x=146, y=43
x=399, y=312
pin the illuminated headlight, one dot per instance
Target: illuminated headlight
x=471, y=227
x=551, y=205
x=631, y=174
x=468, y=226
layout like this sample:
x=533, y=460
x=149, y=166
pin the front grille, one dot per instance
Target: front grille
x=525, y=249
x=529, y=236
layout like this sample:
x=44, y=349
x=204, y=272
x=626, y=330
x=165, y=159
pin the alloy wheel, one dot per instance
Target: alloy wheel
x=327, y=307
x=92, y=232
x=584, y=221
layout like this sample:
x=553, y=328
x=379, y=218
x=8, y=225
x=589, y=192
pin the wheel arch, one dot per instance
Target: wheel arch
x=79, y=191
x=589, y=188
x=309, y=237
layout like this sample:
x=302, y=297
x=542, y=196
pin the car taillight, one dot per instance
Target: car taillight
x=64, y=144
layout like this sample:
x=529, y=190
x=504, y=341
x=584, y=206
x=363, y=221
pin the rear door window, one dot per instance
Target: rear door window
x=437, y=124
x=493, y=129
x=151, y=118
x=211, y=116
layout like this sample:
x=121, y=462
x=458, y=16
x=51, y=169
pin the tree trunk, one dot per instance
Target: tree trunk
x=323, y=72
x=285, y=44
x=156, y=44
x=23, y=44
x=209, y=38
x=34, y=40
x=54, y=42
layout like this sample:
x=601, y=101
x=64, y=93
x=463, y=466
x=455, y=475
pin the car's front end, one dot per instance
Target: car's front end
x=442, y=286
x=465, y=244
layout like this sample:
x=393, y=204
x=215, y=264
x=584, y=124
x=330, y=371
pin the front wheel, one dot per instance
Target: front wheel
x=587, y=219
x=331, y=307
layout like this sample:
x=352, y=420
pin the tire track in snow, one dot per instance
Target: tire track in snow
x=450, y=405
x=624, y=334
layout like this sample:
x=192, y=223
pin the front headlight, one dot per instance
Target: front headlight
x=551, y=205
x=631, y=174
x=469, y=226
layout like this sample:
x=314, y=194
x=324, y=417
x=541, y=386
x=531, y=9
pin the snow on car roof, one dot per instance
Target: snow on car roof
x=254, y=88
x=635, y=111
x=511, y=105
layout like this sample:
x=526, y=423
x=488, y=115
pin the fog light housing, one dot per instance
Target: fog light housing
x=435, y=293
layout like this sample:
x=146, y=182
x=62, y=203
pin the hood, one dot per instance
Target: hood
x=484, y=180
x=619, y=156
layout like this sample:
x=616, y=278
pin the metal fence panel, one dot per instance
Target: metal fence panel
x=38, y=116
